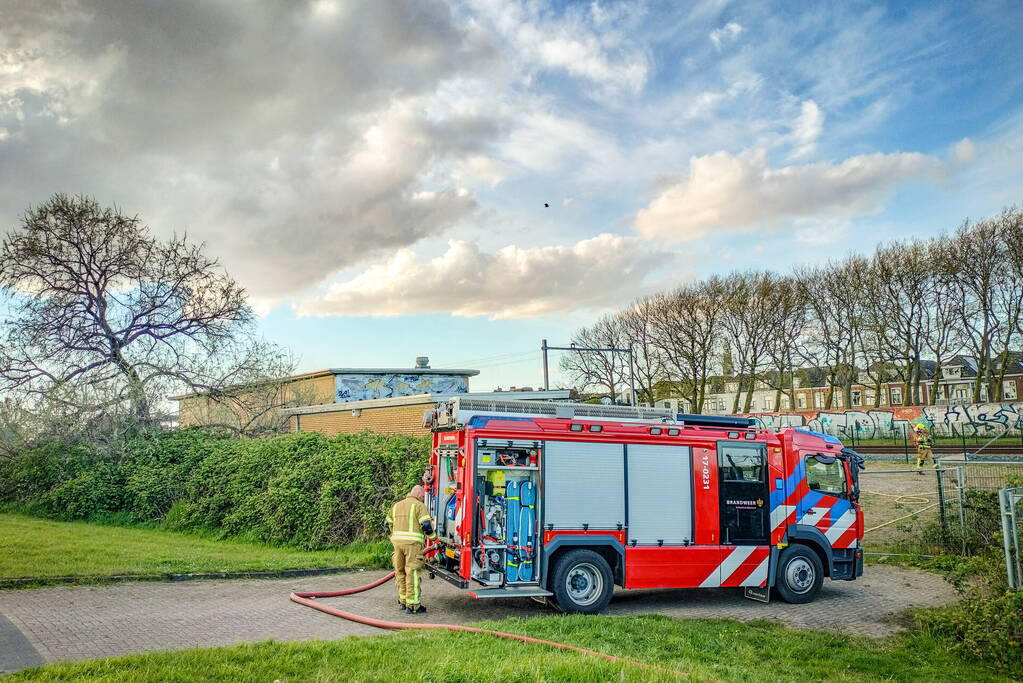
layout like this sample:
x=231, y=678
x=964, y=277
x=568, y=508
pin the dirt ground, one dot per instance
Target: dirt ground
x=901, y=508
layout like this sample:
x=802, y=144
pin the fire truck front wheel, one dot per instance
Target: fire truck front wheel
x=582, y=582
x=800, y=575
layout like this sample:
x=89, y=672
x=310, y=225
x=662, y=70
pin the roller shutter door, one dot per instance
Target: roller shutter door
x=584, y=483
x=660, y=494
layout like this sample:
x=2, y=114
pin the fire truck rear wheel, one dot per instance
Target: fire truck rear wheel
x=800, y=575
x=582, y=582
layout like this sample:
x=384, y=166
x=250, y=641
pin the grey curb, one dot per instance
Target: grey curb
x=120, y=578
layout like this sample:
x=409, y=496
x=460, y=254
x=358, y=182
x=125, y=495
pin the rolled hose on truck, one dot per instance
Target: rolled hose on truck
x=306, y=598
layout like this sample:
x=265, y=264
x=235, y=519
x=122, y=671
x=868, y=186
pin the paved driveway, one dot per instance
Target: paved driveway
x=47, y=624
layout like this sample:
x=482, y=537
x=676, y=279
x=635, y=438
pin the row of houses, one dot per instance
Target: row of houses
x=809, y=389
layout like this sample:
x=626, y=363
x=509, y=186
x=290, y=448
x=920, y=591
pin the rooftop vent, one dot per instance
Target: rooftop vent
x=423, y=362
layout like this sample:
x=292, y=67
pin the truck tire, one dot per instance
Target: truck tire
x=799, y=576
x=582, y=582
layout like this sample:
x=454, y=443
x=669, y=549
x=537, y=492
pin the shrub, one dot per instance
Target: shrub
x=983, y=529
x=25, y=479
x=96, y=491
x=302, y=489
x=990, y=629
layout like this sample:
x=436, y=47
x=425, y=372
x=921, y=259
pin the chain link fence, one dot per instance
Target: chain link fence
x=1010, y=501
x=951, y=509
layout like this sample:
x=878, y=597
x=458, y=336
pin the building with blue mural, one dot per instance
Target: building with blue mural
x=363, y=384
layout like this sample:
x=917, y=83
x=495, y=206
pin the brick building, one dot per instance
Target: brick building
x=341, y=400
x=399, y=415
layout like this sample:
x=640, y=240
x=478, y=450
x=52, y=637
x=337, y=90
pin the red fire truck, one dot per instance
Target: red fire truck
x=566, y=501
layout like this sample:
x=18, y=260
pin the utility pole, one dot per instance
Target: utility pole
x=544, y=348
x=546, y=377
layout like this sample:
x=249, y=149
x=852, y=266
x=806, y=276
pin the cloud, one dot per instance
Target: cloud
x=295, y=139
x=806, y=129
x=725, y=34
x=822, y=233
x=585, y=43
x=726, y=192
x=510, y=283
x=964, y=151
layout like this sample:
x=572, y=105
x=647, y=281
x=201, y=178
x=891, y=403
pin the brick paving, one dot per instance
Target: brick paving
x=86, y=622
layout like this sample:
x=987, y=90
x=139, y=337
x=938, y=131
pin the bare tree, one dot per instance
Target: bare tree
x=1008, y=295
x=104, y=315
x=687, y=326
x=786, y=324
x=894, y=292
x=606, y=371
x=984, y=298
x=943, y=333
x=245, y=395
x=746, y=316
x=833, y=313
x=637, y=323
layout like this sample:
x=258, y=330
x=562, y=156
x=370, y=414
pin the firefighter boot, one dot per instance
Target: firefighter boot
x=418, y=609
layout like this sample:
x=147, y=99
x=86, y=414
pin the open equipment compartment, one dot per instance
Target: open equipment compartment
x=507, y=512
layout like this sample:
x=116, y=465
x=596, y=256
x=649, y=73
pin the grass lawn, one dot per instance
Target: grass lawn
x=40, y=548
x=705, y=649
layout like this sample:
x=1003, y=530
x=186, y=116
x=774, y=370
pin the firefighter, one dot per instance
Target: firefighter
x=410, y=525
x=924, y=446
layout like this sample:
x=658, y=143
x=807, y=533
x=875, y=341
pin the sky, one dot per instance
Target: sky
x=461, y=179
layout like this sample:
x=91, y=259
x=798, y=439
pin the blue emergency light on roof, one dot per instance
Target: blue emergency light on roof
x=725, y=421
x=828, y=438
x=576, y=427
x=596, y=428
x=655, y=430
x=673, y=431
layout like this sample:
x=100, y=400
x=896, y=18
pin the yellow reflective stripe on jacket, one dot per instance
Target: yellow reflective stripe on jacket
x=408, y=516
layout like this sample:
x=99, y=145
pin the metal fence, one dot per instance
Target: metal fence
x=950, y=509
x=899, y=437
x=1009, y=500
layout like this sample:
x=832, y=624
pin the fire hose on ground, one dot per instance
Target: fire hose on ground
x=307, y=599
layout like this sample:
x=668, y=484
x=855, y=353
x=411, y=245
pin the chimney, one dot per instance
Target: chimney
x=422, y=362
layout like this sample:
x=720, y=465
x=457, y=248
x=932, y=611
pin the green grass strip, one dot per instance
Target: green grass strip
x=46, y=549
x=705, y=649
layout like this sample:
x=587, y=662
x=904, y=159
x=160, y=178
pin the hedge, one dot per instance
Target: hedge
x=304, y=489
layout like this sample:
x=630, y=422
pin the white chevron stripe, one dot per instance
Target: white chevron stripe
x=714, y=580
x=759, y=574
x=813, y=517
x=731, y=563
x=780, y=514
x=841, y=526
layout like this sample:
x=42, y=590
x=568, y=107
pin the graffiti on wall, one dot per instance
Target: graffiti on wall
x=360, y=387
x=976, y=419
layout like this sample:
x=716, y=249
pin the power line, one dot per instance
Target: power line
x=498, y=357
x=520, y=361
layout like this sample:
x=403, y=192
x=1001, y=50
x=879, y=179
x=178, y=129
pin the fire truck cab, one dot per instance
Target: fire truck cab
x=563, y=502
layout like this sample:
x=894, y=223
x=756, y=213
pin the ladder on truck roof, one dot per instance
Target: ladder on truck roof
x=459, y=410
